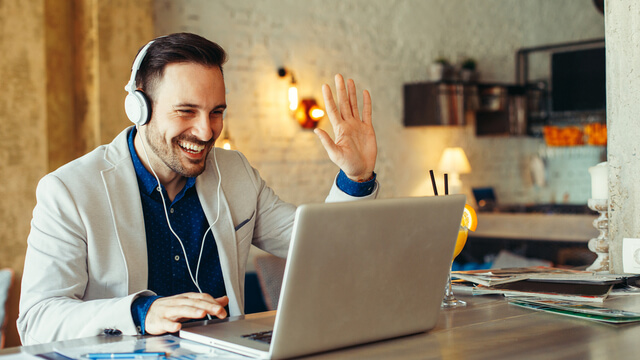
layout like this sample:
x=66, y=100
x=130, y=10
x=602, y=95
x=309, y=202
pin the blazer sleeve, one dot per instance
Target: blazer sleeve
x=56, y=276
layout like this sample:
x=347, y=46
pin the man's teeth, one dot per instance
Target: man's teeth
x=191, y=147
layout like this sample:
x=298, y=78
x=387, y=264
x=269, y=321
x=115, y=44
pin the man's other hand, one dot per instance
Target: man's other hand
x=354, y=149
x=166, y=314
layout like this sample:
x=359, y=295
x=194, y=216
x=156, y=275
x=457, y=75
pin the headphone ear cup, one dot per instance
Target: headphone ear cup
x=137, y=107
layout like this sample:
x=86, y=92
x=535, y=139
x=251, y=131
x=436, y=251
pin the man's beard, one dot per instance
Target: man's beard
x=170, y=156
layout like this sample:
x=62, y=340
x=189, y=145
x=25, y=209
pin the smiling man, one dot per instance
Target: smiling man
x=188, y=104
x=155, y=228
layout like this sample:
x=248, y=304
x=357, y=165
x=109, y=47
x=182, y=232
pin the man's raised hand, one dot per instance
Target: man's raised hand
x=354, y=149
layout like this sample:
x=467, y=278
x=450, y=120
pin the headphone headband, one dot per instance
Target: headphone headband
x=136, y=105
x=131, y=85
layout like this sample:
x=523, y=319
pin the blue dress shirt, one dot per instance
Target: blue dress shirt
x=168, y=273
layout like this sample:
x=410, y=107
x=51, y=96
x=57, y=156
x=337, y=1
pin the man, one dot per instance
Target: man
x=155, y=228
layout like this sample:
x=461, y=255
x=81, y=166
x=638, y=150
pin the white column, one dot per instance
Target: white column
x=622, y=33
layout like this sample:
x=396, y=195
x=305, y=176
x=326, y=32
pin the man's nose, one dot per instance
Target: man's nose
x=202, y=128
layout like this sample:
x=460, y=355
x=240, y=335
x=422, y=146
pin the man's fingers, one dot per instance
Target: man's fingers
x=224, y=300
x=366, y=108
x=327, y=142
x=194, y=295
x=353, y=99
x=191, y=301
x=199, y=300
x=204, y=305
x=182, y=312
x=330, y=105
x=161, y=326
x=190, y=306
x=221, y=312
x=343, y=97
x=166, y=313
x=170, y=326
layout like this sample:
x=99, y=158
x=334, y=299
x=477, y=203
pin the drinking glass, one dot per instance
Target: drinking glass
x=449, y=300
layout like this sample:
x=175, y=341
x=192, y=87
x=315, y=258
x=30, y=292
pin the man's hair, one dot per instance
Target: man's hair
x=176, y=48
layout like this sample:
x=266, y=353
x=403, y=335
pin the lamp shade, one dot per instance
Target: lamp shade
x=454, y=160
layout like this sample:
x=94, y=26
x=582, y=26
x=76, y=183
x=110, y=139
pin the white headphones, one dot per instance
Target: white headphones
x=137, y=104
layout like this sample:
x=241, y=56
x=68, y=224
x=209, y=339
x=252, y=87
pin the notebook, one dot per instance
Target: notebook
x=357, y=272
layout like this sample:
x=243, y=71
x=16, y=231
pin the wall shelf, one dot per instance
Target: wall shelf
x=499, y=108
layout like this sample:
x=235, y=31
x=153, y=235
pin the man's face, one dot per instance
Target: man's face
x=186, y=119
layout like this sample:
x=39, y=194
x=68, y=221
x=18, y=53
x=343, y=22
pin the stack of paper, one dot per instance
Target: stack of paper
x=542, y=282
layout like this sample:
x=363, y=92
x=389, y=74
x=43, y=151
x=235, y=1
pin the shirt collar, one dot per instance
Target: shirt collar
x=147, y=181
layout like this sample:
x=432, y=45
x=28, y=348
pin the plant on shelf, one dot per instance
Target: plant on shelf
x=468, y=70
x=443, y=61
x=469, y=64
x=440, y=69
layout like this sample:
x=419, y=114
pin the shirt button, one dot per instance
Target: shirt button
x=177, y=257
x=159, y=189
x=171, y=210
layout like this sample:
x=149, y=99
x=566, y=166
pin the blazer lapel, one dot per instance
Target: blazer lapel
x=126, y=207
x=124, y=200
x=224, y=234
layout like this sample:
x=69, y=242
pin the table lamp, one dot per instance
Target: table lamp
x=454, y=162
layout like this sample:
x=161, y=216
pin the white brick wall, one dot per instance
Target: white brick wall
x=382, y=44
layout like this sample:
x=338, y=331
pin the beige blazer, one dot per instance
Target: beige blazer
x=86, y=258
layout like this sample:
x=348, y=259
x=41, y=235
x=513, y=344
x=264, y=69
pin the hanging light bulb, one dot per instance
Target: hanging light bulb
x=293, y=89
x=293, y=96
x=226, y=143
x=305, y=111
x=316, y=113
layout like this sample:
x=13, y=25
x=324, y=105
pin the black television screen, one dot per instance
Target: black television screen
x=578, y=80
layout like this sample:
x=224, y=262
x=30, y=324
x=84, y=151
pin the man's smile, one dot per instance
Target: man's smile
x=190, y=147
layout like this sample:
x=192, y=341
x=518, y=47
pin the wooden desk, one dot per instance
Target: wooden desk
x=489, y=328
x=492, y=329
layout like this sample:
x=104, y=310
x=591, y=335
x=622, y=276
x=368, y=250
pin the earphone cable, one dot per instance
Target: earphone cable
x=215, y=158
x=166, y=214
x=164, y=207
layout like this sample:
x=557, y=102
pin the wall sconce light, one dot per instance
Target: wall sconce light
x=293, y=89
x=306, y=111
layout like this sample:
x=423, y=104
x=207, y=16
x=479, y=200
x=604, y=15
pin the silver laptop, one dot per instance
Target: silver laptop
x=357, y=272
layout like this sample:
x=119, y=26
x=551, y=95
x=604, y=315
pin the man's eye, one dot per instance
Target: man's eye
x=185, y=112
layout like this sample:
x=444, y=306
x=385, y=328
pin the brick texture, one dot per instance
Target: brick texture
x=381, y=44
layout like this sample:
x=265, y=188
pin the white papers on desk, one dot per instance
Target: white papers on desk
x=175, y=347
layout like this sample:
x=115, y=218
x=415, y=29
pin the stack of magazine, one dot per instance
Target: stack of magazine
x=544, y=282
x=563, y=291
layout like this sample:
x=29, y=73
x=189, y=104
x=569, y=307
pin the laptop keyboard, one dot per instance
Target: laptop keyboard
x=263, y=336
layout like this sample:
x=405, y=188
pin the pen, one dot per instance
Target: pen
x=124, y=355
